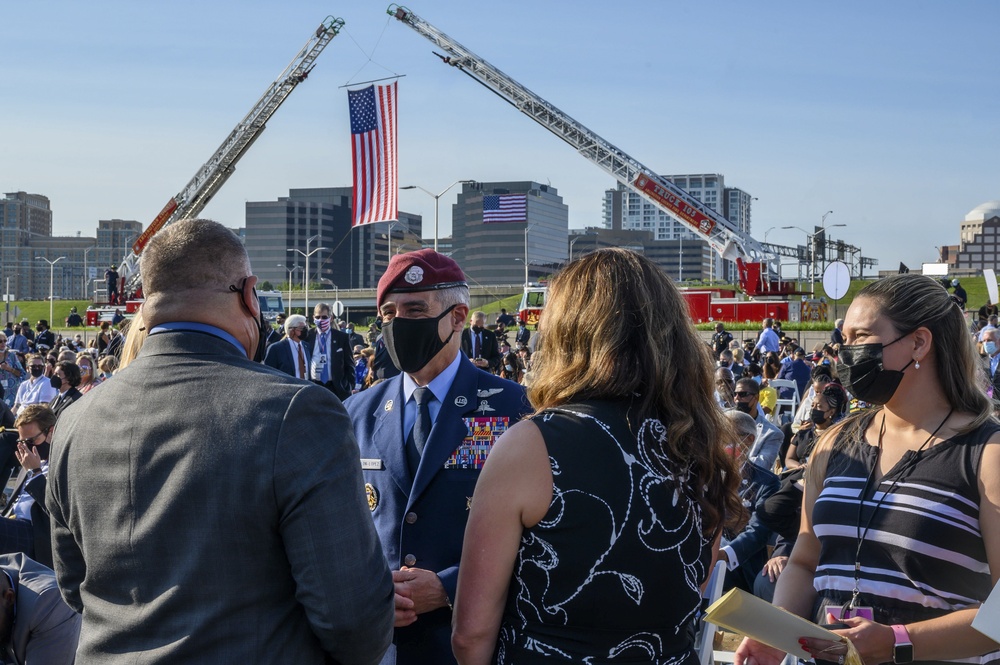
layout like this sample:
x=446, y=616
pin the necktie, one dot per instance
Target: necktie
x=302, y=361
x=478, y=347
x=324, y=344
x=421, y=428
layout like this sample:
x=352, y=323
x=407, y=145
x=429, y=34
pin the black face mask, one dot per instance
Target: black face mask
x=263, y=327
x=43, y=450
x=412, y=343
x=55, y=382
x=36, y=370
x=744, y=407
x=861, y=371
x=477, y=329
x=818, y=416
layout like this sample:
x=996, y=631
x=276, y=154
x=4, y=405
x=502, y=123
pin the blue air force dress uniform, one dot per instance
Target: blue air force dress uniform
x=420, y=508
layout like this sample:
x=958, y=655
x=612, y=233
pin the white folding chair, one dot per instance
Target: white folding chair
x=705, y=639
x=793, y=403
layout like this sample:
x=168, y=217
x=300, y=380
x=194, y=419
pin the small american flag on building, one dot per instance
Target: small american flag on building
x=505, y=208
x=373, y=146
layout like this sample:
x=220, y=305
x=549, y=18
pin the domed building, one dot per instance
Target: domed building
x=980, y=238
x=973, y=223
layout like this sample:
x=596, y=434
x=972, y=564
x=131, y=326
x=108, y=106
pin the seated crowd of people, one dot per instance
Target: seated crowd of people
x=778, y=412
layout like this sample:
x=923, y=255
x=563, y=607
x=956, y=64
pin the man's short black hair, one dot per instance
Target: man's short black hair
x=748, y=385
x=71, y=371
x=820, y=370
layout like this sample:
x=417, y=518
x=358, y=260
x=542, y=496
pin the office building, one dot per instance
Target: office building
x=495, y=253
x=351, y=258
x=980, y=240
x=77, y=261
x=683, y=260
x=624, y=209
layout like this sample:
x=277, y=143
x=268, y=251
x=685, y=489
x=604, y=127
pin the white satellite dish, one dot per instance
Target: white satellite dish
x=836, y=280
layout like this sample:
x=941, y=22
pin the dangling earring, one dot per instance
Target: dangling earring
x=916, y=365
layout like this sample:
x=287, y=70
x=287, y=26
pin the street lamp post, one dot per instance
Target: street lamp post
x=305, y=280
x=86, y=274
x=812, y=257
x=811, y=239
x=436, y=197
x=526, y=229
x=388, y=236
x=573, y=242
x=52, y=281
x=823, y=225
x=291, y=271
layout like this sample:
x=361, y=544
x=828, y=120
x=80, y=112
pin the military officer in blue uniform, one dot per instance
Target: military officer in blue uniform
x=424, y=436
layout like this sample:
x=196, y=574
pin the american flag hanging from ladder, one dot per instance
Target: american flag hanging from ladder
x=373, y=146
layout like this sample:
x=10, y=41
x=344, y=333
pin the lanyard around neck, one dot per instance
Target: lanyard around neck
x=864, y=492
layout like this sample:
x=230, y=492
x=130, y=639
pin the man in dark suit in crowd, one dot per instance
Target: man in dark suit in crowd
x=242, y=536
x=45, y=338
x=277, y=333
x=68, y=375
x=480, y=344
x=332, y=361
x=291, y=355
x=355, y=339
x=36, y=625
x=797, y=370
x=424, y=436
x=523, y=335
x=26, y=524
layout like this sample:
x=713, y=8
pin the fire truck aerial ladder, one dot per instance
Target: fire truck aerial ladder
x=214, y=173
x=756, y=264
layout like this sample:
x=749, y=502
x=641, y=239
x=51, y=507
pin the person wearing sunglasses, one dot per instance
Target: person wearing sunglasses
x=27, y=528
x=36, y=389
x=769, y=438
x=206, y=508
x=331, y=361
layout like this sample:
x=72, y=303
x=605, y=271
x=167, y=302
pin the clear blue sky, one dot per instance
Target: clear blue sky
x=883, y=112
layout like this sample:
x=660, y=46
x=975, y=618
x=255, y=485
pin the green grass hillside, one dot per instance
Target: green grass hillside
x=33, y=310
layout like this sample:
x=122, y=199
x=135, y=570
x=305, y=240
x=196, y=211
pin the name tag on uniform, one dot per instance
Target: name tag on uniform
x=372, y=464
x=481, y=434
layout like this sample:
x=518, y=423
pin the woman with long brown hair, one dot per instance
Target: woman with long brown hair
x=613, y=494
x=900, y=530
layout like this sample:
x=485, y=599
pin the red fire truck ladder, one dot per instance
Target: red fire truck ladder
x=214, y=173
x=756, y=264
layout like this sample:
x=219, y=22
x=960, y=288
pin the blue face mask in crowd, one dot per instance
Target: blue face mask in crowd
x=990, y=348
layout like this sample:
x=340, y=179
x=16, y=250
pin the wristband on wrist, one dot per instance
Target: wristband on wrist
x=902, y=650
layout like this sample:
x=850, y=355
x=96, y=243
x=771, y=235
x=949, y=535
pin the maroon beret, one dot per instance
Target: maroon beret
x=424, y=270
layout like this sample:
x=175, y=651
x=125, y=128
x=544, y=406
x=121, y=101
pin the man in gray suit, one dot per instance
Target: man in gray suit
x=36, y=626
x=206, y=508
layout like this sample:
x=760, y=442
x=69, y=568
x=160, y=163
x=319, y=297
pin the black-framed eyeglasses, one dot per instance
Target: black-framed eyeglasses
x=742, y=393
x=32, y=440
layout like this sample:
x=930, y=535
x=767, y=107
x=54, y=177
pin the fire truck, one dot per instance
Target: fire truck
x=757, y=264
x=212, y=176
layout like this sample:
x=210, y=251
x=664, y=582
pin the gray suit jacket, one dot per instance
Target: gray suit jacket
x=209, y=509
x=45, y=629
x=767, y=443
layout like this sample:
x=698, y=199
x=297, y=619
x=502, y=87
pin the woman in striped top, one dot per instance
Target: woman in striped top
x=901, y=518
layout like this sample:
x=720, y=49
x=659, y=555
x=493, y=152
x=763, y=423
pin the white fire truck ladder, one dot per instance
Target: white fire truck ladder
x=723, y=236
x=214, y=173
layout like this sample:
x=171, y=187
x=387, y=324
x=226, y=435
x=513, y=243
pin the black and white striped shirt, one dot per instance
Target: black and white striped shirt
x=923, y=554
